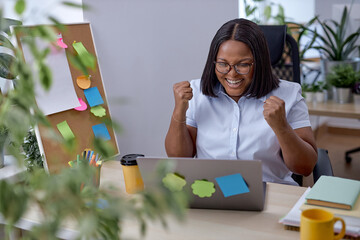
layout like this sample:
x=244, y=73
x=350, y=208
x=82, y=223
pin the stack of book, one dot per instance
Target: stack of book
x=337, y=195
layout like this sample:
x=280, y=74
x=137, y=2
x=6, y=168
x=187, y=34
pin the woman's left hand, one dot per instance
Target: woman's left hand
x=274, y=113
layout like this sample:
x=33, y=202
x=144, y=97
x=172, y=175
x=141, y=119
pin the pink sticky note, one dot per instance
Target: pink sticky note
x=83, y=106
x=60, y=43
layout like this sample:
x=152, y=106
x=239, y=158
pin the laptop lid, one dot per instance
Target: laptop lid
x=228, y=188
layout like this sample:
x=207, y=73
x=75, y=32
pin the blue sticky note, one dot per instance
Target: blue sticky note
x=231, y=185
x=100, y=131
x=93, y=96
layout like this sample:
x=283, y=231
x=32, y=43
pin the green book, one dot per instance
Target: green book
x=334, y=192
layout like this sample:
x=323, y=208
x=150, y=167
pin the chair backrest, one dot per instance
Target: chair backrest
x=323, y=167
x=284, y=52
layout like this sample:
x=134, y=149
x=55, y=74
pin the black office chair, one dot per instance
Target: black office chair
x=347, y=153
x=323, y=165
x=284, y=52
x=285, y=60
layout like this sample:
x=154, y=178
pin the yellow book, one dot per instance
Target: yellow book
x=355, y=212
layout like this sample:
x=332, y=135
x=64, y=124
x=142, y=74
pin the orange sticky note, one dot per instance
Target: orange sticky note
x=83, y=81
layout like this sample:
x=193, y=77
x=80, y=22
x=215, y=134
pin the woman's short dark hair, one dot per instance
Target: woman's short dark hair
x=264, y=81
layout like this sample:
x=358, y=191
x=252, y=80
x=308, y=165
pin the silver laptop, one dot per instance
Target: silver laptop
x=230, y=192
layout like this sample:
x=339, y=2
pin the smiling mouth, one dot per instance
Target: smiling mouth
x=234, y=83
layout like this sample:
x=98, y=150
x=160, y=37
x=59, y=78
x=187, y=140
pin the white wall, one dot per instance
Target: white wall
x=300, y=11
x=144, y=47
x=37, y=12
x=323, y=8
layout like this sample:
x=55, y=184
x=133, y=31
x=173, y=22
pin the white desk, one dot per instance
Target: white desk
x=205, y=224
x=333, y=109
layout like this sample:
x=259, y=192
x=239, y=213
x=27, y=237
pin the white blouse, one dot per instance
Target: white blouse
x=237, y=130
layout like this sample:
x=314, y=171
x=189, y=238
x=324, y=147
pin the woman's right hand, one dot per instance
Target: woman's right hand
x=182, y=94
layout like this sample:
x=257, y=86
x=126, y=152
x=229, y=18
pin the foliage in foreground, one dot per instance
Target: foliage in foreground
x=69, y=195
x=97, y=213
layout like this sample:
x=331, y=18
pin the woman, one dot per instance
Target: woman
x=240, y=110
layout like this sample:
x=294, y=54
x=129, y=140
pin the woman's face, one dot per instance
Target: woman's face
x=234, y=53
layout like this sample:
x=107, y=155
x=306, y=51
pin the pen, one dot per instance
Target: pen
x=88, y=156
x=91, y=154
x=92, y=162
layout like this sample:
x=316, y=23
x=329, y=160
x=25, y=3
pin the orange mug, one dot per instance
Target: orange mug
x=132, y=176
x=318, y=224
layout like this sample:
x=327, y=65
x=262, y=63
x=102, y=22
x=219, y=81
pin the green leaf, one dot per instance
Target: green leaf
x=20, y=6
x=343, y=23
x=58, y=24
x=13, y=201
x=46, y=32
x=267, y=12
x=45, y=76
x=281, y=11
x=71, y=4
x=104, y=148
x=77, y=63
x=6, y=62
x=4, y=42
x=5, y=24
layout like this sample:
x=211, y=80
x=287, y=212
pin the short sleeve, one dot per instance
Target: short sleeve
x=298, y=116
x=190, y=113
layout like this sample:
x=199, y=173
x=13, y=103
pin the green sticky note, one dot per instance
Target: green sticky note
x=65, y=130
x=87, y=59
x=203, y=188
x=98, y=111
x=174, y=182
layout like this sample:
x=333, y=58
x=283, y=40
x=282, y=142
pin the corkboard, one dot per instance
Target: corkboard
x=80, y=122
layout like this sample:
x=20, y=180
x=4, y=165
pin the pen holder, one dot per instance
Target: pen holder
x=95, y=178
x=132, y=176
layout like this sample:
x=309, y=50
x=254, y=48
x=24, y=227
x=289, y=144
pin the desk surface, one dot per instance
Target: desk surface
x=11, y=170
x=332, y=109
x=208, y=224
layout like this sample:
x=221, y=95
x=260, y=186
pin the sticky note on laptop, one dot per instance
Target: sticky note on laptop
x=203, y=188
x=231, y=185
x=174, y=182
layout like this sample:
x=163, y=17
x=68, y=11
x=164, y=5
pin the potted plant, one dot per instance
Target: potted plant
x=319, y=88
x=307, y=91
x=342, y=78
x=6, y=61
x=335, y=45
x=356, y=92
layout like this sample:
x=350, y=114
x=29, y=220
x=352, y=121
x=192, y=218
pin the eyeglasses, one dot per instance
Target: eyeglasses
x=240, y=68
